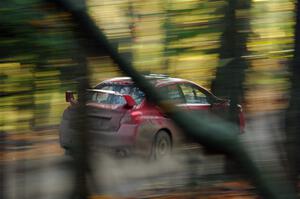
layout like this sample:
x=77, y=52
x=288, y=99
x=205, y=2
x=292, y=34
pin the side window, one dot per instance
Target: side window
x=172, y=93
x=201, y=97
x=189, y=94
x=193, y=95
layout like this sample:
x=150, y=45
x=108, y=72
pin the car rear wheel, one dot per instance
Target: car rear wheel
x=162, y=145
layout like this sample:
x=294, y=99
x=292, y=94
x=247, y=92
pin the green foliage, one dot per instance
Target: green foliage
x=32, y=35
x=39, y=45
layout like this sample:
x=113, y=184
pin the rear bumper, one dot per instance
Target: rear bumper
x=124, y=137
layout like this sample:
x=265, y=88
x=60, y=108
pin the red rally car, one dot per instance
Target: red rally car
x=121, y=119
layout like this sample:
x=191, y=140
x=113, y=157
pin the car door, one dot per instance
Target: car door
x=196, y=100
x=172, y=94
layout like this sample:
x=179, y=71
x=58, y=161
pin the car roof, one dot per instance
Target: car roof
x=156, y=80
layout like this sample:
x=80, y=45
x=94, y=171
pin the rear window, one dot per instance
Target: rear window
x=105, y=98
x=131, y=90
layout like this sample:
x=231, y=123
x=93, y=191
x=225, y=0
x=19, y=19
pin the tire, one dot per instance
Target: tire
x=162, y=145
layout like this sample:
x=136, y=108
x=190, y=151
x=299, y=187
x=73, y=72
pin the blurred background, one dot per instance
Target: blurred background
x=245, y=50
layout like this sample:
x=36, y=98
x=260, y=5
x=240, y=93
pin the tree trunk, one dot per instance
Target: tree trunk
x=293, y=110
x=230, y=73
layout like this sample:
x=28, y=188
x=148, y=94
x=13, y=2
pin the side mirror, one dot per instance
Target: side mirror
x=70, y=97
x=130, y=102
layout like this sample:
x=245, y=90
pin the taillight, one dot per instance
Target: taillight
x=69, y=95
x=132, y=117
x=241, y=119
